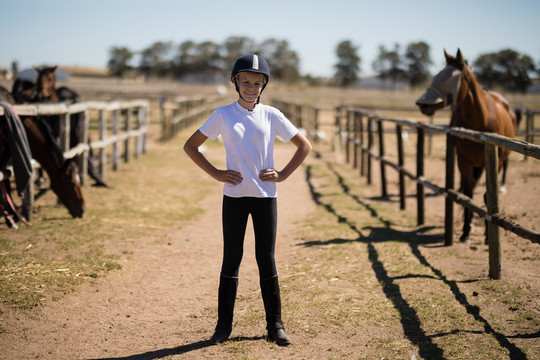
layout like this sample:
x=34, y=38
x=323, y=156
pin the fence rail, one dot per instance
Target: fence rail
x=356, y=131
x=350, y=122
x=182, y=112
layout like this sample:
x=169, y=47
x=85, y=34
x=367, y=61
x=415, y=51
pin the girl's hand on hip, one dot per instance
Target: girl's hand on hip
x=229, y=176
x=269, y=175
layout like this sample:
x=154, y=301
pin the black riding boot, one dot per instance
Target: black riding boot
x=226, y=299
x=272, y=306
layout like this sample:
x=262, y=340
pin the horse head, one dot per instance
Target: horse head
x=446, y=87
x=67, y=186
x=45, y=83
x=63, y=173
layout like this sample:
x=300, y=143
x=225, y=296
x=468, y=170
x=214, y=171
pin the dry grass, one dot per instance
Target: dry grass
x=41, y=262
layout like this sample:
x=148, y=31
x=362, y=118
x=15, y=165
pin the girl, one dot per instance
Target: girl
x=248, y=129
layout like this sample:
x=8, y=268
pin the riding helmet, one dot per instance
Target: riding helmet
x=252, y=63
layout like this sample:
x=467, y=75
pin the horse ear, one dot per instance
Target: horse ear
x=37, y=68
x=447, y=56
x=459, y=57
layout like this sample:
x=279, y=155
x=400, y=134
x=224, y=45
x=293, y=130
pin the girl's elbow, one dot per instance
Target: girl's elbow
x=188, y=149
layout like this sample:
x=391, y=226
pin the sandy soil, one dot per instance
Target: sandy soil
x=162, y=303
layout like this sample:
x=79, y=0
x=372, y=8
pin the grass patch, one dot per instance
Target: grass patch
x=42, y=262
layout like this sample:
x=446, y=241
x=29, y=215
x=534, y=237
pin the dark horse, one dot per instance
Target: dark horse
x=63, y=173
x=43, y=90
x=14, y=149
x=472, y=108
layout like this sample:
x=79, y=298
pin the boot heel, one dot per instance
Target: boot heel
x=280, y=337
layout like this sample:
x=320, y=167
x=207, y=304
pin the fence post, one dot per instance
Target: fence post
x=420, y=195
x=316, y=125
x=381, y=155
x=102, y=129
x=492, y=204
x=529, y=128
x=115, y=151
x=83, y=159
x=163, y=112
x=144, y=122
x=370, y=146
x=355, y=139
x=401, y=162
x=348, y=138
x=362, y=145
x=449, y=204
x=298, y=115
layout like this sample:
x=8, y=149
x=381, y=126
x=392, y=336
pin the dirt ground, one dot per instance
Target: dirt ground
x=162, y=303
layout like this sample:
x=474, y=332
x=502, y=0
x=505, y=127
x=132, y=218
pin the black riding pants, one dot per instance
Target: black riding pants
x=235, y=215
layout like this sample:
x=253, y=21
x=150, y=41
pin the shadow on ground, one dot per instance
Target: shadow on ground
x=410, y=321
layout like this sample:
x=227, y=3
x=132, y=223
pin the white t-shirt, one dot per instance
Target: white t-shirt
x=249, y=137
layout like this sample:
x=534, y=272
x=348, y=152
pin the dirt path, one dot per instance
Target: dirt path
x=163, y=300
x=361, y=281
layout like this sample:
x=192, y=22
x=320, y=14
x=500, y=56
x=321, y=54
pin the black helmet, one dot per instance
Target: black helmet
x=252, y=63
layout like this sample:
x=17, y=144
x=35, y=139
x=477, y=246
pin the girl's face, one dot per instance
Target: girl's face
x=250, y=85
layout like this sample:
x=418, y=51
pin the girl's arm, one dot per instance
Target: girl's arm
x=191, y=147
x=303, y=147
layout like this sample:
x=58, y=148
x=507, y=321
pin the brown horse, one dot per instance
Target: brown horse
x=63, y=173
x=43, y=90
x=472, y=108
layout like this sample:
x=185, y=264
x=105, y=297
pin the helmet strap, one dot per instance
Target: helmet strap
x=240, y=95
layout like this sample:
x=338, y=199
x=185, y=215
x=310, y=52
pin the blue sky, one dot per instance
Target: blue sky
x=81, y=32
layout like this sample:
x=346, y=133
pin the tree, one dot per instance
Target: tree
x=209, y=57
x=195, y=59
x=234, y=47
x=418, y=61
x=119, y=61
x=154, y=59
x=348, y=65
x=506, y=68
x=283, y=61
x=185, y=59
x=389, y=64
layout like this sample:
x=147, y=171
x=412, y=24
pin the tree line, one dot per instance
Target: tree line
x=208, y=61
x=205, y=61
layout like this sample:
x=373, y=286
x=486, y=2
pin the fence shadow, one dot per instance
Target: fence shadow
x=408, y=316
x=179, y=350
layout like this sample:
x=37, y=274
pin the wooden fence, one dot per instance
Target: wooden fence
x=304, y=117
x=129, y=120
x=358, y=131
x=182, y=112
x=358, y=126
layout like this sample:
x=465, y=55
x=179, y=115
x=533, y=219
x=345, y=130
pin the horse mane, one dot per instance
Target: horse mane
x=47, y=133
x=468, y=79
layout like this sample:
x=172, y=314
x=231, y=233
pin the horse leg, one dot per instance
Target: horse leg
x=466, y=189
x=502, y=188
x=468, y=183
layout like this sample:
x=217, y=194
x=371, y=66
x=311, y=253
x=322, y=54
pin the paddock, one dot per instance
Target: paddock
x=358, y=132
x=360, y=277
